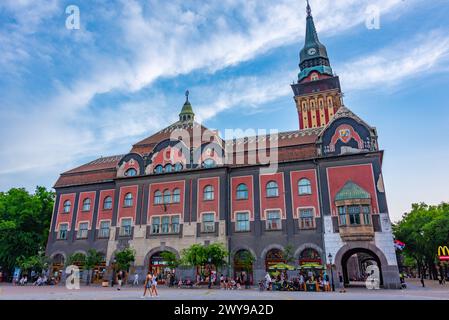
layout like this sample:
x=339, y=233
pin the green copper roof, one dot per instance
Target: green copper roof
x=186, y=111
x=352, y=191
x=321, y=69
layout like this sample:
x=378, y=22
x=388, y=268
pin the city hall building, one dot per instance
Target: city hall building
x=185, y=184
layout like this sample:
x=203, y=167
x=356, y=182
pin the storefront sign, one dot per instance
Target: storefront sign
x=443, y=253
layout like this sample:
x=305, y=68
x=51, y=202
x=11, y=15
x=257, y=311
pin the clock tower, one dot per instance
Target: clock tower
x=317, y=92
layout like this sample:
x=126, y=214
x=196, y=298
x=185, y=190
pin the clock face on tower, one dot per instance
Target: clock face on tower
x=311, y=51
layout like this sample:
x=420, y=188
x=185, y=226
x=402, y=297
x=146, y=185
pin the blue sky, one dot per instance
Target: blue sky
x=69, y=96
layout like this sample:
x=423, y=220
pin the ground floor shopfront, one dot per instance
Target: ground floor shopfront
x=351, y=263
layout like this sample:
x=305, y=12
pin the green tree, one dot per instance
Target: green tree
x=288, y=254
x=246, y=260
x=93, y=259
x=37, y=263
x=216, y=254
x=77, y=258
x=194, y=256
x=171, y=259
x=199, y=256
x=124, y=258
x=24, y=224
x=423, y=230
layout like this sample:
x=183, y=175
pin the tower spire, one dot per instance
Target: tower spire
x=314, y=54
x=317, y=92
x=309, y=10
x=187, y=113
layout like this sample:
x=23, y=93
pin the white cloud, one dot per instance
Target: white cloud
x=390, y=66
x=162, y=39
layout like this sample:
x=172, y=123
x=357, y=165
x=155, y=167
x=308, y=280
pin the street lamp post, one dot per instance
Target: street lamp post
x=332, y=271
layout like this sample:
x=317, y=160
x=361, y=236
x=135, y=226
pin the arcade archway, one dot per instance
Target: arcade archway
x=356, y=268
x=243, y=264
x=57, y=266
x=274, y=256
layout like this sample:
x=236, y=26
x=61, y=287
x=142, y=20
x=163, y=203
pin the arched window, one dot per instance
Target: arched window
x=272, y=189
x=209, y=163
x=242, y=192
x=167, y=196
x=176, y=195
x=304, y=187
x=67, y=206
x=107, y=203
x=157, y=197
x=128, y=200
x=178, y=166
x=159, y=169
x=86, y=204
x=208, y=193
x=131, y=172
x=168, y=167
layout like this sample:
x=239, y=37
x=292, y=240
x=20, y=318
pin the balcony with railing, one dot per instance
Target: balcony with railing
x=164, y=229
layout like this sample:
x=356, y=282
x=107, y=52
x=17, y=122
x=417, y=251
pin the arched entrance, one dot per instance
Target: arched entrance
x=309, y=255
x=159, y=265
x=99, y=271
x=243, y=264
x=274, y=256
x=57, y=266
x=355, y=263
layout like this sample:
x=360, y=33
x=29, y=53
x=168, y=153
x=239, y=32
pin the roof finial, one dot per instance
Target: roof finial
x=187, y=95
x=309, y=10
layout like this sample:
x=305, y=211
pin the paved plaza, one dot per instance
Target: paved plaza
x=432, y=291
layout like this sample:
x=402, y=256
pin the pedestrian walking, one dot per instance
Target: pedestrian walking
x=422, y=280
x=136, y=279
x=154, y=286
x=147, y=285
x=342, y=283
x=119, y=280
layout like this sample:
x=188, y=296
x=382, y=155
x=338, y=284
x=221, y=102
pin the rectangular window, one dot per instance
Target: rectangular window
x=366, y=214
x=63, y=231
x=306, y=218
x=104, y=229
x=125, y=229
x=208, y=224
x=156, y=225
x=82, y=230
x=354, y=215
x=242, y=222
x=342, y=215
x=274, y=220
x=165, y=224
x=175, y=224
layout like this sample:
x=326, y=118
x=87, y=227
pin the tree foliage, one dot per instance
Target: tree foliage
x=24, y=225
x=423, y=230
x=124, y=258
x=77, y=258
x=199, y=255
x=246, y=260
x=171, y=259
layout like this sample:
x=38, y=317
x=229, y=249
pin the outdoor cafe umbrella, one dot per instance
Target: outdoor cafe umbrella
x=311, y=266
x=281, y=266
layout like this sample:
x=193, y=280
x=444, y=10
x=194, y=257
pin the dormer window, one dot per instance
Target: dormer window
x=314, y=77
x=131, y=172
x=209, y=163
x=158, y=169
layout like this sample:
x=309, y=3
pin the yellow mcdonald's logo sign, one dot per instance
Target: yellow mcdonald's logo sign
x=443, y=253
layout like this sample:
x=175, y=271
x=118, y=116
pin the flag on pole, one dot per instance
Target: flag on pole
x=399, y=245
